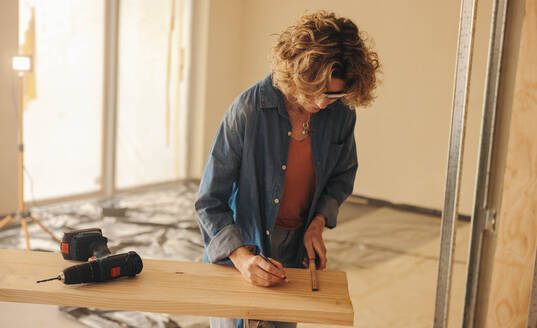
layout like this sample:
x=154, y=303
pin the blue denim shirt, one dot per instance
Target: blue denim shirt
x=244, y=175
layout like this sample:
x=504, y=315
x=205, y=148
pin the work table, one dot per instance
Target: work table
x=179, y=288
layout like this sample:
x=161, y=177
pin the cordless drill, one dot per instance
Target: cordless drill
x=81, y=245
x=101, y=269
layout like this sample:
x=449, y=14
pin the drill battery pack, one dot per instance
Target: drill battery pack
x=81, y=245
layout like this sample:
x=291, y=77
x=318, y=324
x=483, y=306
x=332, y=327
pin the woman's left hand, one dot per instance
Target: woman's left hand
x=313, y=241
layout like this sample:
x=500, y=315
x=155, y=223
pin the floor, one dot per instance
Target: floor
x=390, y=257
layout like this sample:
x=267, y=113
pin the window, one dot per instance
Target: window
x=63, y=111
x=148, y=93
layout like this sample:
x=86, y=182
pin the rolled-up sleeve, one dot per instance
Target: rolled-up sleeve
x=341, y=180
x=215, y=216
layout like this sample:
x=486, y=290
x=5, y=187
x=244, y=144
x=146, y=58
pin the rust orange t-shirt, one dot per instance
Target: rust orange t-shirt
x=298, y=187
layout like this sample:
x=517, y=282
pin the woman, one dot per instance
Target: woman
x=284, y=157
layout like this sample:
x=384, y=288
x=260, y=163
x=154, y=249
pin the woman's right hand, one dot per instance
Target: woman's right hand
x=255, y=269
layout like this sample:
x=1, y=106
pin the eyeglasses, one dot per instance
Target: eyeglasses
x=334, y=95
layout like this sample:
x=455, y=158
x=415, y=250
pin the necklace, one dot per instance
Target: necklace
x=306, y=129
x=296, y=111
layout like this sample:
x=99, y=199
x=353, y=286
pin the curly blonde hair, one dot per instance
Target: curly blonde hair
x=322, y=46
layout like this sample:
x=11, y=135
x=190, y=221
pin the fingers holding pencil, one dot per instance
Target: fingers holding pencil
x=275, y=264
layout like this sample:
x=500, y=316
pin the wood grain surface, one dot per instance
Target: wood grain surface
x=179, y=288
x=517, y=232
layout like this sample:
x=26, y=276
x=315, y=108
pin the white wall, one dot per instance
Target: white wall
x=216, y=72
x=8, y=106
x=403, y=138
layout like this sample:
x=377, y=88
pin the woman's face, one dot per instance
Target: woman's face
x=334, y=92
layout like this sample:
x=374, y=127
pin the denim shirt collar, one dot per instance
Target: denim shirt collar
x=271, y=97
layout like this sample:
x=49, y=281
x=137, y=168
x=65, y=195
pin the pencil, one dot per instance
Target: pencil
x=269, y=261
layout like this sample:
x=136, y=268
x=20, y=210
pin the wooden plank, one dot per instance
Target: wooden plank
x=517, y=230
x=180, y=288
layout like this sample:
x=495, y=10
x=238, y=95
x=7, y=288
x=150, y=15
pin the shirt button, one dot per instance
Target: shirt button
x=289, y=133
x=276, y=200
x=284, y=167
x=268, y=232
